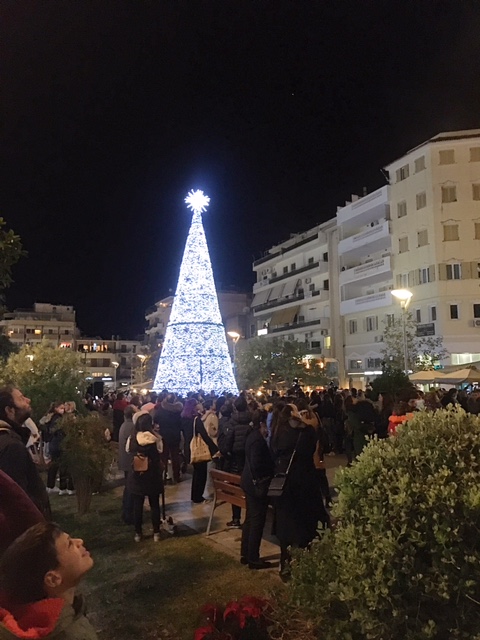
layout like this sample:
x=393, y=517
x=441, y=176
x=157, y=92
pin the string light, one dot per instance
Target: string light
x=195, y=352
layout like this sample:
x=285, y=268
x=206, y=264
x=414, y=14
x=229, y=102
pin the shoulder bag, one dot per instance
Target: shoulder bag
x=199, y=451
x=277, y=483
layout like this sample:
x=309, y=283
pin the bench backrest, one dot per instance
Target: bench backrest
x=227, y=487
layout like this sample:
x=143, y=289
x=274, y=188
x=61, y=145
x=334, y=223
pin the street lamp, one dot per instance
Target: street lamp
x=404, y=296
x=235, y=336
x=142, y=357
x=115, y=366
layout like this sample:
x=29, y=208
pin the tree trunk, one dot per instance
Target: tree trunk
x=83, y=488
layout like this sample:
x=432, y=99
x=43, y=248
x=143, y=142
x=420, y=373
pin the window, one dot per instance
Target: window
x=474, y=154
x=285, y=269
x=371, y=323
x=449, y=194
x=433, y=313
x=326, y=285
x=403, y=244
x=325, y=256
x=293, y=266
x=418, y=315
x=38, y=332
x=402, y=173
x=355, y=365
x=420, y=164
x=300, y=319
x=422, y=237
x=401, y=209
x=402, y=280
x=476, y=191
x=310, y=261
x=390, y=319
x=352, y=326
x=454, y=311
x=123, y=361
x=424, y=275
x=454, y=271
x=421, y=200
x=311, y=287
x=477, y=230
x=450, y=232
x=447, y=156
x=476, y=310
x=316, y=344
x=374, y=363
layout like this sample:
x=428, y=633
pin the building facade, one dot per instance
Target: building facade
x=55, y=323
x=293, y=291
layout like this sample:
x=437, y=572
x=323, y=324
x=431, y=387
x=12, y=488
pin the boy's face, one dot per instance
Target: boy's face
x=73, y=563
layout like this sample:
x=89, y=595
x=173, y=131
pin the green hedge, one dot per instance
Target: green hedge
x=404, y=559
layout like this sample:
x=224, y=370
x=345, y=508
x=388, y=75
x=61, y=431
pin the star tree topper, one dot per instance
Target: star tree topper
x=197, y=201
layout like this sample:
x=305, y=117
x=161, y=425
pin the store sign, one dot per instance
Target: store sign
x=426, y=329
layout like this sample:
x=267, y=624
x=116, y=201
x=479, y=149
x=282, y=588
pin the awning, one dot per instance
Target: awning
x=284, y=316
x=290, y=287
x=276, y=292
x=261, y=297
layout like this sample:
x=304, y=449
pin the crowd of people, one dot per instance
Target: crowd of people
x=276, y=444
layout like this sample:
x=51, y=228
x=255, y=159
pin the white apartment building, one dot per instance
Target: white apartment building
x=293, y=291
x=55, y=323
x=365, y=281
x=114, y=362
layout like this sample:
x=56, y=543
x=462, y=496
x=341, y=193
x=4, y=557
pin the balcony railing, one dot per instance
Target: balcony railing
x=296, y=325
x=371, y=234
x=284, y=250
x=365, y=270
x=283, y=276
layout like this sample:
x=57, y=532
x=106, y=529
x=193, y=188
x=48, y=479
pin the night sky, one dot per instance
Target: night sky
x=112, y=111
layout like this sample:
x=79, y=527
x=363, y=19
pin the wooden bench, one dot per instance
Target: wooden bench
x=226, y=489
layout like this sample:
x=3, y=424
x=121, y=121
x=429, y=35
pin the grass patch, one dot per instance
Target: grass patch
x=151, y=590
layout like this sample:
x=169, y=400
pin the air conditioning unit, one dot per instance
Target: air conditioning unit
x=308, y=280
x=476, y=323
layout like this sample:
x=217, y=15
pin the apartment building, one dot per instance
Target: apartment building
x=55, y=323
x=115, y=362
x=435, y=212
x=293, y=291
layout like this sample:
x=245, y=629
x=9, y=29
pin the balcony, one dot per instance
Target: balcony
x=282, y=250
x=296, y=325
x=368, y=272
x=364, y=210
x=366, y=303
x=369, y=240
x=307, y=267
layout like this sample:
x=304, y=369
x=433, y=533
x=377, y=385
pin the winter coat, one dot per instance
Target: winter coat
x=48, y=427
x=149, y=482
x=49, y=619
x=360, y=428
x=210, y=420
x=17, y=463
x=57, y=434
x=300, y=508
x=125, y=458
x=236, y=436
x=258, y=462
x=168, y=419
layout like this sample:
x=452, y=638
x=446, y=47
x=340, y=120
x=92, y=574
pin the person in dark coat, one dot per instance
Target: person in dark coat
x=223, y=425
x=199, y=479
x=256, y=476
x=57, y=434
x=299, y=510
x=236, y=436
x=15, y=459
x=148, y=483
x=187, y=417
x=117, y=412
x=125, y=460
x=168, y=417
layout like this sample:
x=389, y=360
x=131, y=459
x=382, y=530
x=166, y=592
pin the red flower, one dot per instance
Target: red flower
x=203, y=632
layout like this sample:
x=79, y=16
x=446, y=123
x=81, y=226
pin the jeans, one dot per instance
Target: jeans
x=66, y=482
x=154, y=501
x=172, y=450
x=252, y=530
x=236, y=512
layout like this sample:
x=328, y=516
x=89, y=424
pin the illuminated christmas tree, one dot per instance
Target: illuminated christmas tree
x=195, y=352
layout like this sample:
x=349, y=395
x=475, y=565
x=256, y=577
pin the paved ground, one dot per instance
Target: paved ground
x=195, y=516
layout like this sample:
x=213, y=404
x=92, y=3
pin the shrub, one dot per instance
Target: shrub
x=404, y=559
x=85, y=454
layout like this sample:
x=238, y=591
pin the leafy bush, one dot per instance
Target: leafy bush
x=404, y=559
x=85, y=454
x=394, y=382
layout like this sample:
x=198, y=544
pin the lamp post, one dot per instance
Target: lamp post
x=235, y=336
x=404, y=296
x=115, y=366
x=142, y=358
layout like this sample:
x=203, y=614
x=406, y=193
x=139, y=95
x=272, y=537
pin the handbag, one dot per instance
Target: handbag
x=140, y=463
x=199, y=451
x=277, y=483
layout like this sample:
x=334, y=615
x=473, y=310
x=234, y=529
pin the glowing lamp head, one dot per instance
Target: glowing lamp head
x=197, y=201
x=403, y=295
